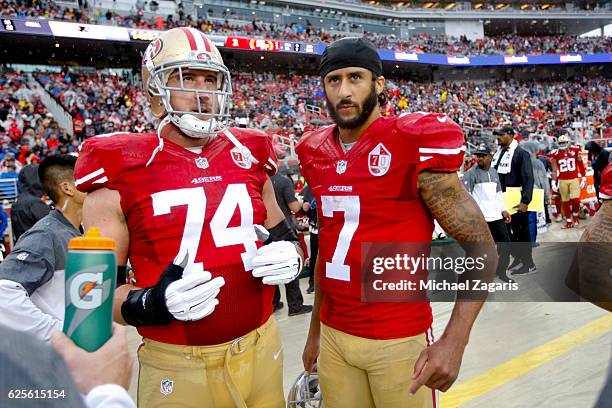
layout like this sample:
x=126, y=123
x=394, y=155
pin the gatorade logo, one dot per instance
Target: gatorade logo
x=86, y=290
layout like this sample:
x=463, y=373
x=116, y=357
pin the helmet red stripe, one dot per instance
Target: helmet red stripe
x=206, y=43
x=190, y=38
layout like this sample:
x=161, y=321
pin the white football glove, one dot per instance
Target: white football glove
x=277, y=263
x=555, y=186
x=194, y=296
x=583, y=182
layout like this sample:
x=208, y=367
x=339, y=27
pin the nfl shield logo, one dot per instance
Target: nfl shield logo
x=201, y=162
x=166, y=386
x=341, y=166
x=379, y=160
x=239, y=159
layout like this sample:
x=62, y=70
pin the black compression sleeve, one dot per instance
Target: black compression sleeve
x=282, y=231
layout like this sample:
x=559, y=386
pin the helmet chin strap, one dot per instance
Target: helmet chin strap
x=194, y=126
x=160, y=146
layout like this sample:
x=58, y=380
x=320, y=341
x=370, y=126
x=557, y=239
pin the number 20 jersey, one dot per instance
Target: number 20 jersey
x=370, y=194
x=569, y=163
x=201, y=203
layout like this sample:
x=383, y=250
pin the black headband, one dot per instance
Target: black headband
x=350, y=52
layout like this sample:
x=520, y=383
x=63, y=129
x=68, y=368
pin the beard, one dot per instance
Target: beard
x=365, y=110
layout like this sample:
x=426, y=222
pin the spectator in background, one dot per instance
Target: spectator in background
x=548, y=167
x=63, y=149
x=32, y=280
x=540, y=181
x=513, y=165
x=53, y=142
x=89, y=130
x=309, y=207
x=9, y=169
x=288, y=202
x=29, y=207
x=599, y=158
x=482, y=182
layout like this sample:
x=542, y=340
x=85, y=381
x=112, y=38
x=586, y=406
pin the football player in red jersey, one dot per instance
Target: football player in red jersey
x=194, y=197
x=567, y=169
x=378, y=179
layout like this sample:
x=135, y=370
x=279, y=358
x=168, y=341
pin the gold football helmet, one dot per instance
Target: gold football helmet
x=180, y=49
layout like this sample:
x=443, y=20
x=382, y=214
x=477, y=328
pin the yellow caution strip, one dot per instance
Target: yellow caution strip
x=460, y=394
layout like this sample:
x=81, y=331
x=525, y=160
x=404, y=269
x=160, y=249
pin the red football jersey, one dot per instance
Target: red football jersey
x=370, y=194
x=569, y=163
x=204, y=203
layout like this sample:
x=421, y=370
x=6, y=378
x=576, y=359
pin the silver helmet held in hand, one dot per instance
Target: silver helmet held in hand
x=305, y=392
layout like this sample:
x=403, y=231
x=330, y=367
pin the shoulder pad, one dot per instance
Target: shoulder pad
x=313, y=139
x=426, y=124
x=102, y=158
x=437, y=140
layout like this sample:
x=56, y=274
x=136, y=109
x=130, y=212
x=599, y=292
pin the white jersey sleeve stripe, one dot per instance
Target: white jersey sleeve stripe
x=90, y=176
x=424, y=158
x=441, y=151
x=101, y=180
x=272, y=163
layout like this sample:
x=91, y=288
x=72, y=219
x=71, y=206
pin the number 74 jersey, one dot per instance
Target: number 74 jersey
x=370, y=194
x=199, y=203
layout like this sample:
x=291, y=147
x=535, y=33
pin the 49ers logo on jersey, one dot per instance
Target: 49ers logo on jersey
x=379, y=160
x=239, y=159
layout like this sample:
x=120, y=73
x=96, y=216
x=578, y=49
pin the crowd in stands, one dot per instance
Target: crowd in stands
x=98, y=103
x=220, y=25
x=28, y=132
x=541, y=107
x=495, y=45
x=284, y=105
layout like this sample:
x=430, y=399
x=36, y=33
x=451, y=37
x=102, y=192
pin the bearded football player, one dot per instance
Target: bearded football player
x=376, y=178
x=188, y=207
x=569, y=176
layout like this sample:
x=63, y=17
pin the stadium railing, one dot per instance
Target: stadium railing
x=63, y=118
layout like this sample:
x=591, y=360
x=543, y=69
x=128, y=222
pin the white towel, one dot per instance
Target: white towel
x=504, y=158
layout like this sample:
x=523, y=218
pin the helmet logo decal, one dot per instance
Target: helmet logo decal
x=153, y=50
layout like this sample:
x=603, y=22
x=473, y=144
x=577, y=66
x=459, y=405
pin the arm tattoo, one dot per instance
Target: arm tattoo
x=453, y=207
x=590, y=274
x=600, y=228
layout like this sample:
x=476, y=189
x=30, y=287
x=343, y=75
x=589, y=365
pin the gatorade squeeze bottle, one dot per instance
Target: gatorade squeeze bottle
x=91, y=275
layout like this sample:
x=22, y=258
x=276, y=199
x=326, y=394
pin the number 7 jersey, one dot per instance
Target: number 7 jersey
x=201, y=203
x=370, y=194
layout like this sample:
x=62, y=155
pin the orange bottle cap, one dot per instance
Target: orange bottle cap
x=92, y=239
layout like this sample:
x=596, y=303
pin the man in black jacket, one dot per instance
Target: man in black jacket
x=288, y=202
x=599, y=160
x=513, y=164
x=29, y=207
